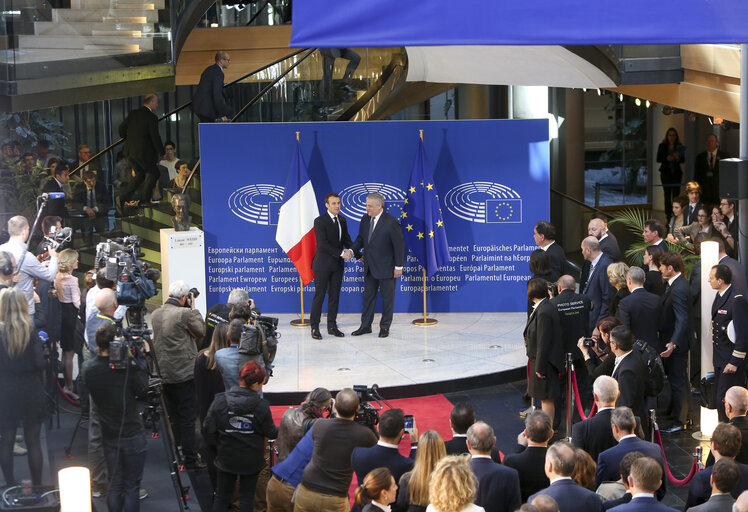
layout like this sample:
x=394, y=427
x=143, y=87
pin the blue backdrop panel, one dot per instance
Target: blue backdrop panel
x=493, y=183
x=342, y=23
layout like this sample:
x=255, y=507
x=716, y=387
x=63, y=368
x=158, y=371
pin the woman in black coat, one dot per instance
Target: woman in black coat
x=237, y=423
x=670, y=155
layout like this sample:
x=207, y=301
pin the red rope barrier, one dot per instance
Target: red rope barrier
x=578, y=400
x=670, y=476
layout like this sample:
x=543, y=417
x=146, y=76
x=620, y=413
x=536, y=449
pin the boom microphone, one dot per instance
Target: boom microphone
x=52, y=195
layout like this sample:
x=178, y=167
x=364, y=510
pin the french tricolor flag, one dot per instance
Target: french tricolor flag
x=295, y=233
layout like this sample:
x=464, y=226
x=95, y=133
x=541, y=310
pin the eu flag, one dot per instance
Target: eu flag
x=421, y=219
x=508, y=211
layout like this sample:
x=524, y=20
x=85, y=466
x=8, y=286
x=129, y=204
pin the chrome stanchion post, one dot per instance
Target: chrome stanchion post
x=652, y=425
x=698, y=454
x=569, y=396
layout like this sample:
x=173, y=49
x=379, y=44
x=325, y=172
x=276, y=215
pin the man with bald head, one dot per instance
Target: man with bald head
x=324, y=485
x=106, y=303
x=598, y=227
x=208, y=102
x=598, y=287
x=498, y=486
x=736, y=407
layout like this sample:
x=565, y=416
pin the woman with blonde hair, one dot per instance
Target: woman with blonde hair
x=617, y=277
x=377, y=492
x=414, y=485
x=69, y=295
x=21, y=386
x=452, y=486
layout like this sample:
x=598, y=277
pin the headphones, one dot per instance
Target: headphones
x=6, y=263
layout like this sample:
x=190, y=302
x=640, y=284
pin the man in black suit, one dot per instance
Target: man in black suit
x=559, y=465
x=706, y=169
x=143, y=149
x=654, y=234
x=598, y=227
x=460, y=419
x=380, y=238
x=331, y=232
x=676, y=330
x=208, y=102
x=594, y=434
x=729, y=229
x=529, y=459
x=55, y=184
x=498, y=486
x=598, y=287
x=728, y=356
x=545, y=237
x=736, y=407
x=623, y=423
x=625, y=471
x=92, y=198
x=385, y=452
x=646, y=475
x=631, y=373
x=691, y=212
x=737, y=268
x=641, y=310
x=723, y=479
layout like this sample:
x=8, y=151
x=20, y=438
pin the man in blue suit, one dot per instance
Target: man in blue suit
x=208, y=103
x=559, y=465
x=623, y=423
x=498, y=486
x=598, y=287
x=646, y=476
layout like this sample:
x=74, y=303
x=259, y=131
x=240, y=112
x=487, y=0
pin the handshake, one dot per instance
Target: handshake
x=348, y=255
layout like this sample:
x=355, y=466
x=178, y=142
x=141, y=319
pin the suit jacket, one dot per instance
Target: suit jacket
x=599, y=290
x=594, y=435
x=208, y=100
x=558, y=259
x=716, y=503
x=543, y=339
x=626, y=498
x=738, y=273
x=609, y=246
x=574, y=314
x=724, y=310
x=530, y=465
x=363, y=460
x=742, y=423
x=699, y=490
x=571, y=497
x=643, y=504
x=708, y=178
x=142, y=140
x=641, y=312
x=677, y=322
x=386, y=248
x=103, y=200
x=54, y=206
x=691, y=216
x=498, y=486
x=609, y=461
x=631, y=374
x=327, y=255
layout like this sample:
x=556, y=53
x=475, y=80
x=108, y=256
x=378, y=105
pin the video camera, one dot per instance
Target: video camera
x=367, y=414
x=135, y=280
x=129, y=345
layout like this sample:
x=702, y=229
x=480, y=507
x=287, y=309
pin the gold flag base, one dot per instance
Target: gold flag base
x=300, y=322
x=425, y=322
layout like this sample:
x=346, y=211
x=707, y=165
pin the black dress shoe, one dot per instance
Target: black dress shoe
x=316, y=334
x=361, y=330
x=383, y=333
x=335, y=332
x=678, y=427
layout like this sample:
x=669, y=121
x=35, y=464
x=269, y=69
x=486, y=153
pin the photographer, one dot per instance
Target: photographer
x=114, y=392
x=220, y=313
x=177, y=329
x=295, y=422
x=598, y=357
x=229, y=360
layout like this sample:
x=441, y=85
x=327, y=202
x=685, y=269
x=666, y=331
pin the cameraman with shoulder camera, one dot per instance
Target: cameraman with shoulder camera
x=115, y=392
x=177, y=329
x=220, y=313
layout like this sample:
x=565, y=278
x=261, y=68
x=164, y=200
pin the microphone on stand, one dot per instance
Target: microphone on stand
x=52, y=195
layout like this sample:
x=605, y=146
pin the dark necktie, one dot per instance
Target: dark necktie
x=91, y=198
x=371, y=228
x=337, y=226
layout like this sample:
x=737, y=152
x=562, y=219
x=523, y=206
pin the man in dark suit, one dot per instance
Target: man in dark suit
x=381, y=239
x=641, y=310
x=461, y=418
x=594, y=435
x=691, y=212
x=331, y=232
x=706, y=169
x=529, y=459
x=385, y=452
x=726, y=441
x=598, y=287
x=729, y=229
x=728, y=356
x=625, y=471
x=631, y=373
x=737, y=268
x=93, y=199
x=722, y=480
x=623, y=423
x=736, y=407
x=545, y=237
x=143, y=149
x=676, y=330
x=55, y=185
x=559, y=465
x=654, y=234
x=84, y=160
x=598, y=227
x=208, y=102
x=646, y=475
x=498, y=486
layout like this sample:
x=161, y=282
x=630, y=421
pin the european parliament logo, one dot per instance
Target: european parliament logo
x=353, y=199
x=257, y=204
x=485, y=202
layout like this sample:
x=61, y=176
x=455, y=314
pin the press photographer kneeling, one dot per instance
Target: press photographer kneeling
x=115, y=393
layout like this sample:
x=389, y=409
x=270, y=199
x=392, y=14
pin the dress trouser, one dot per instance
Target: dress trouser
x=725, y=381
x=182, y=408
x=680, y=390
x=371, y=287
x=329, y=283
x=145, y=175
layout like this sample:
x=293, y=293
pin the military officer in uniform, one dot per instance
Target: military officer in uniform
x=728, y=356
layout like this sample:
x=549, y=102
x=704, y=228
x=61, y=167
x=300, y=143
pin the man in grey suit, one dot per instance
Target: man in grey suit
x=381, y=239
x=724, y=477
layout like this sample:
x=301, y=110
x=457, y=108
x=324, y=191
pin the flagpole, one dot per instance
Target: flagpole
x=425, y=321
x=300, y=322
